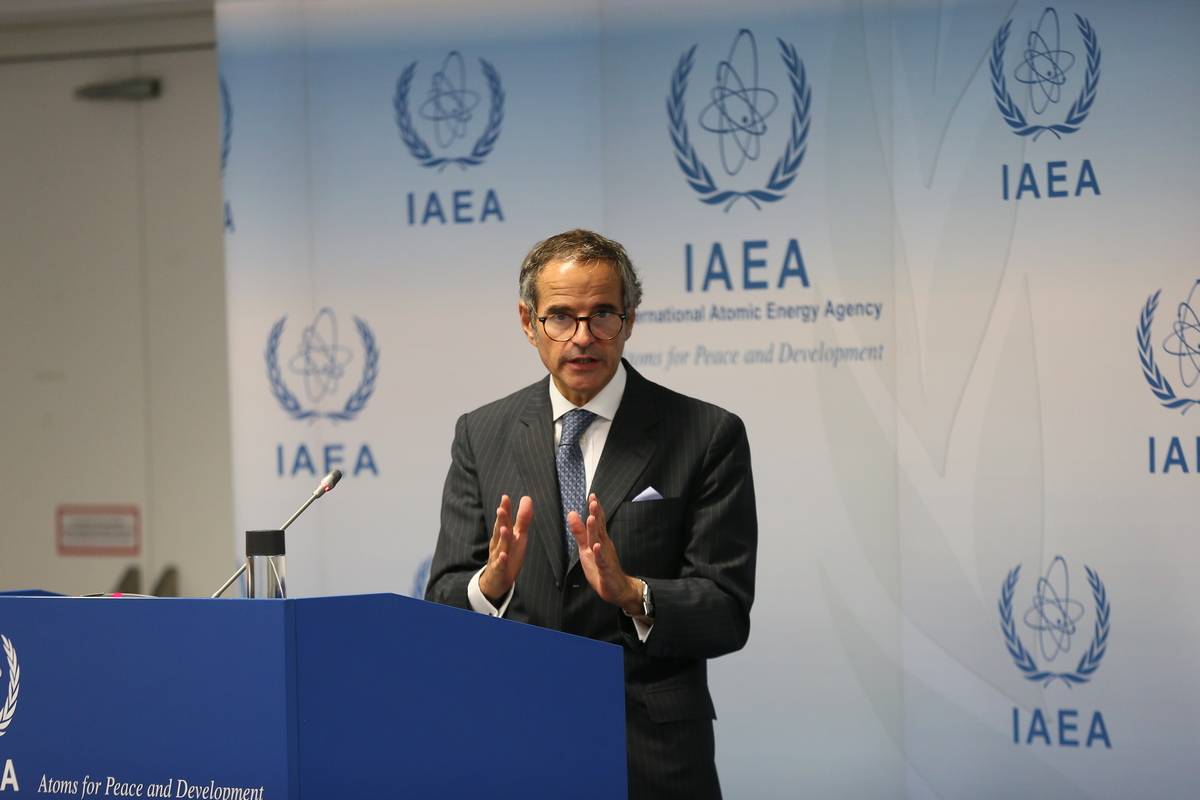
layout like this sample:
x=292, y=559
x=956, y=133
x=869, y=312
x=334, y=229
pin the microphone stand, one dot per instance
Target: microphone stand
x=228, y=583
x=326, y=486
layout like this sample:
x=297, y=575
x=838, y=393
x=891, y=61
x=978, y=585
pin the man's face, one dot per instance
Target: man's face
x=583, y=365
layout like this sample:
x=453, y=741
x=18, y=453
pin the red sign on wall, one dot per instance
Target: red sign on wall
x=98, y=530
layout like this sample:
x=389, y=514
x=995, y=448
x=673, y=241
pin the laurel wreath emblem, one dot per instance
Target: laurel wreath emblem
x=14, y=685
x=784, y=172
x=226, y=142
x=417, y=146
x=354, y=403
x=226, y=123
x=1158, y=382
x=1088, y=662
x=1079, y=109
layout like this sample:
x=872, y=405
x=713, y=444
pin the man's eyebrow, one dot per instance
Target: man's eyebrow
x=570, y=312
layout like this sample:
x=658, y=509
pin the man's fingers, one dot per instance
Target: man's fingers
x=578, y=529
x=524, y=513
x=500, y=544
x=516, y=549
x=505, y=550
x=593, y=529
x=502, y=512
x=596, y=510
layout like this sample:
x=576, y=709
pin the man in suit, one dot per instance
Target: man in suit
x=636, y=521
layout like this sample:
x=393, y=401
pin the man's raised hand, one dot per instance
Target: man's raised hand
x=598, y=557
x=506, y=550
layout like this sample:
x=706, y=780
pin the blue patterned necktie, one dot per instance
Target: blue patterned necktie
x=572, y=480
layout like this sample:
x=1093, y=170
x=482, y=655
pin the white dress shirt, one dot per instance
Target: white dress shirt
x=591, y=443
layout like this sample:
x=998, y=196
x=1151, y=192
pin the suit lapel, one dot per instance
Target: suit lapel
x=533, y=450
x=629, y=446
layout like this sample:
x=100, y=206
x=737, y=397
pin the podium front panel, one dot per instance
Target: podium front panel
x=151, y=698
x=403, y=698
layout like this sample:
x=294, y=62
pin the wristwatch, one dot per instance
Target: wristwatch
x=647, y=603
x=647, y=600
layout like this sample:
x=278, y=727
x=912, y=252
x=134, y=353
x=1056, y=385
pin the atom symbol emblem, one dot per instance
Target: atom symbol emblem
x=449, y=103
x=319, y=358
x=1044, y=68
x=322, y=362
x=1043, y=71
x=738, y=111
x=1054, y=614
x=1184, y=341
x=737, y=115
x=451, y=107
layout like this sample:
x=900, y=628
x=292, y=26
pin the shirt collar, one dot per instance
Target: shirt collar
x=603, y=405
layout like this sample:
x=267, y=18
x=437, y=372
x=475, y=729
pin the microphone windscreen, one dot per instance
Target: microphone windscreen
x=331, y=480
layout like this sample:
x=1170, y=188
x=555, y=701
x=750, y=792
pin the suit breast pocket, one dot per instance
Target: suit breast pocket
x=649, y=537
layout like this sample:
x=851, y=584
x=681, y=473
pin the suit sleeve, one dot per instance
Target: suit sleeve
x=462, y=544
x=705, y=612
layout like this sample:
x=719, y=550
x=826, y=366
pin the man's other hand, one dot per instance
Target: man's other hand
x=600, y=563
x=506, y=550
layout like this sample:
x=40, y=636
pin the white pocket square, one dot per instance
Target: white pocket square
x=649, y=493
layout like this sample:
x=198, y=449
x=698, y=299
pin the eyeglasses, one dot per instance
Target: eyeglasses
x=604, y=325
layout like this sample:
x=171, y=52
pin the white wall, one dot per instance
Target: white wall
x=112, y=299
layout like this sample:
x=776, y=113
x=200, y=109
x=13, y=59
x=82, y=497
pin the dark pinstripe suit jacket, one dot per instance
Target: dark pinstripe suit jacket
x=695, y=547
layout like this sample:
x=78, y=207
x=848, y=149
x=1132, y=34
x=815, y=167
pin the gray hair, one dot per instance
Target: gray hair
x=583, y=247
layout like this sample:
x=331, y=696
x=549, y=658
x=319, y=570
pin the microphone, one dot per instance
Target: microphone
x=330, y=481
x=323, y=488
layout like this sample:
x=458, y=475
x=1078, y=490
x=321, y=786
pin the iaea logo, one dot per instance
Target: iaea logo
x=449, y=109
x=1181, y=345
x=737, y=117
x=322, y=362
x=1043, y=72
x=1053, y=617
x=14, y=685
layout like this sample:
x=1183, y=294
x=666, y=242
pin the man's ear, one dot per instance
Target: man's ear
x=629, y=320
x=528, y=323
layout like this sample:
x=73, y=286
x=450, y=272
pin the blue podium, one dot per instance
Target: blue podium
x=373, y=696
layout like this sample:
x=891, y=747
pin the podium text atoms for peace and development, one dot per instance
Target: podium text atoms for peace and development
x=178, y=788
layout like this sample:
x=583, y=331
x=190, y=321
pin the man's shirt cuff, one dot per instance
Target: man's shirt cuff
x=480, y=603
x=643, y=626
